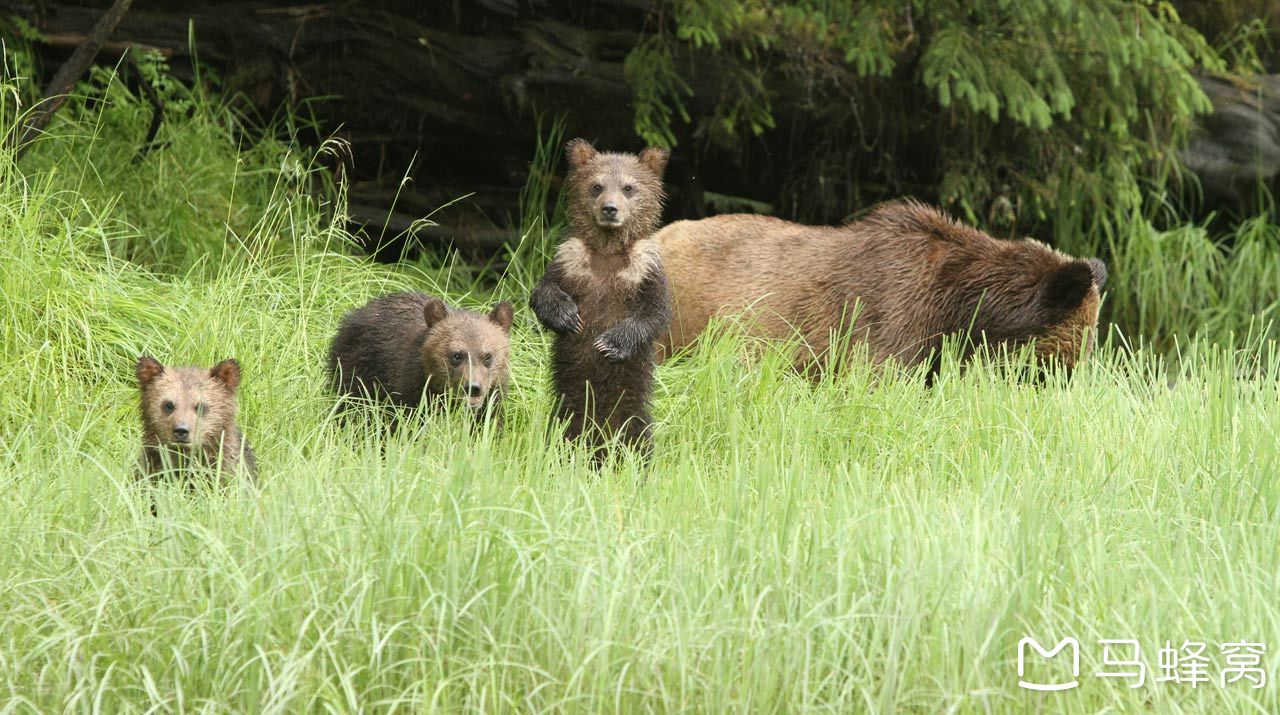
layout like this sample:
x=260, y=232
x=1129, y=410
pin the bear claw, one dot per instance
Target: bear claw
x=608, y=349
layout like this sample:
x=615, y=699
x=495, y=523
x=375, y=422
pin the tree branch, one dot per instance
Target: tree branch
x=55, y=95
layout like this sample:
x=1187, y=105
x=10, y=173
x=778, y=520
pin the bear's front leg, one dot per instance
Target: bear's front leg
x=555, y=308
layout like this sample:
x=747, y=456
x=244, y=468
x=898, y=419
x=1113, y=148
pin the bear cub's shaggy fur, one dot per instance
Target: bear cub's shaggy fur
x=605, y=296
x=404, y=347
x=189, y=418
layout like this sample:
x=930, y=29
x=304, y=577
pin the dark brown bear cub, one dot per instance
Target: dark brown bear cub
x=605, y=296
x=406, y=347
x=189, y=418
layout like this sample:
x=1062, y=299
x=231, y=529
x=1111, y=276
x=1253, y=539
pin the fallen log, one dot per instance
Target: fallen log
x=454, y=110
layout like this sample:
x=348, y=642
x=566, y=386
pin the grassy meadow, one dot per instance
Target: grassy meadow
x=864, y=545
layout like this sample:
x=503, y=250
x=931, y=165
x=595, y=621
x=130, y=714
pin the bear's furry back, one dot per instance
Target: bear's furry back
x=377, y=352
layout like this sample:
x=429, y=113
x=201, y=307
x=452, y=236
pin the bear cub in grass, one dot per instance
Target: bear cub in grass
x=189, y=418
x=894, y=283
x=404, y=347
x=605, y=296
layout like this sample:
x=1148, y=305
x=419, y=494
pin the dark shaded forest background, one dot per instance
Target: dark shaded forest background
x=1147, y=132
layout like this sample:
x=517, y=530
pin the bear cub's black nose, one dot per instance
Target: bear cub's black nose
x=609, y=210
x=181, y=433
x=474, y=390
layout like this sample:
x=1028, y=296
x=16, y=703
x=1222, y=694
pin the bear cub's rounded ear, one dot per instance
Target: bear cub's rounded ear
x=503, y=315
x=434, y=311
x=147, y=370
x=227, y=372
x=579, y=152
x=1068, y=285
x=1099, y=272
x=655, y=159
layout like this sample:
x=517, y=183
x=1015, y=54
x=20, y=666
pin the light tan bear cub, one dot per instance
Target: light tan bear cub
x=189, y=419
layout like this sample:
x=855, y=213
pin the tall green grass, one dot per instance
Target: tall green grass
x=865, y=545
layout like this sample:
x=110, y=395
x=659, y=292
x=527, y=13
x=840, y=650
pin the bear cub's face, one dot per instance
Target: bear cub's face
x=616, y=190
x=187, y=407
x=468, y=352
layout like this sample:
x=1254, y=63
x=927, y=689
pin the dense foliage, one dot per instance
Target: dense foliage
x=1012, y=112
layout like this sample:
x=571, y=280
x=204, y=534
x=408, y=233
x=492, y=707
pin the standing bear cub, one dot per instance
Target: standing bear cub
x=605, y=296
x=189, y=418
x=404, y=347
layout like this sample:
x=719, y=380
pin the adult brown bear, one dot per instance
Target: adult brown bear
x=898, y=281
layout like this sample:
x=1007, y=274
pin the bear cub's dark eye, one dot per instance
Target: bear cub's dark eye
x=167, y=407
x=199, y=408
x=628, y=189
x=457, y=358
x=487, y=358
x=597, y=189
